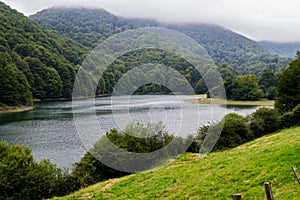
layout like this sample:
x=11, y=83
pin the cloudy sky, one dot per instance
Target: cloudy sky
x=275, y=20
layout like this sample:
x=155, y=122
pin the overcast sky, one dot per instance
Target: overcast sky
x=275, y=20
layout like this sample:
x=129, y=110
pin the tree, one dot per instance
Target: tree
x=67, y=75
x=268, y=82
x=14, y=88
x=39, y=71
x=288, y=90
x=246, y=87
x=54, y=84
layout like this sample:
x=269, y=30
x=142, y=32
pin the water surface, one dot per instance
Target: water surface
x=50, y=130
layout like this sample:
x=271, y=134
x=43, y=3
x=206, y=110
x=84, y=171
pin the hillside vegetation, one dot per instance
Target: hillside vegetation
x=34, y=62
x=91, y=26
x=42, y=63
x=243, y=169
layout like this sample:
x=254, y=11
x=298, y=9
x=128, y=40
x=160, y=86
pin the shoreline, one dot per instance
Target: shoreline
x=15, y=109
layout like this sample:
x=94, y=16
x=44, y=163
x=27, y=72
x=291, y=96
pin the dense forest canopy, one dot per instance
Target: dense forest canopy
x=91, y=26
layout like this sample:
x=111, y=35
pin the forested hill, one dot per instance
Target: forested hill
x=34, y=62
x=284, y=49
x=90, y=26
x=40, y=58
x=225, y=46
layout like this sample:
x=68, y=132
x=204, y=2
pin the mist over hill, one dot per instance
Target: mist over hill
x=91, y=26
x=284, y=49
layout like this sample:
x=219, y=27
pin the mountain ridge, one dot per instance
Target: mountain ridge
x=224, y=45
x=287, y=49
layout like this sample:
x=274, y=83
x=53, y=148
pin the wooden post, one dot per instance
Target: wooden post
x=268, y=191
x=296, y=174
x=236, y=196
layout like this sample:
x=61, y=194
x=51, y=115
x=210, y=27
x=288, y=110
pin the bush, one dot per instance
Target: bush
x=235, y=132
x=21, y=177
x=198, y=139
x=90, y=170
x=265, y=120
x=288, y=120
x=292, y=118
x=136, y=138
x=237, y=129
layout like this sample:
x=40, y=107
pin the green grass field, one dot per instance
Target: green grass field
x=240, y=170
x=14, y=109
x=231, y=102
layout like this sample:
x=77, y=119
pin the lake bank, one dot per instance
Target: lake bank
x=262, y=102
x=15, y=109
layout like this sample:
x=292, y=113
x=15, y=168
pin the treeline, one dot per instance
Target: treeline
x=156, y=72
x=163, y=80
x=249, y=86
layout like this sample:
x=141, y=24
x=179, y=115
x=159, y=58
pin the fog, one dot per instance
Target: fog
x=275, y=20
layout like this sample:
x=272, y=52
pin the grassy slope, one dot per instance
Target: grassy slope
x=217, y=176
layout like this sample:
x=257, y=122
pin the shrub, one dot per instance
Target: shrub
x=21, y=177
x=264, y=120
x=198, y=139
x=292, y=118
x=288, y=120
x=90, y=170
x=136, y=138
x=296, y=112
x=235, y=132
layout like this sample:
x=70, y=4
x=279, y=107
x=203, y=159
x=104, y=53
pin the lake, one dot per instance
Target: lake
x=51, y=132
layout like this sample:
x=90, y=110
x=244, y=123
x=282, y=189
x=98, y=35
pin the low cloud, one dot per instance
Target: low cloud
x=275, y=20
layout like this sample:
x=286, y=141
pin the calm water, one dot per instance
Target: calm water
x=51, y=132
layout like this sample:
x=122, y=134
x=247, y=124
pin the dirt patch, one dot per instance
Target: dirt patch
x=198, y=156
x=109, y=185
x=253, y=145
x=87, y=196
